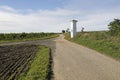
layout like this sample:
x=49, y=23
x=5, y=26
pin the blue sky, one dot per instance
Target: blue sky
x=55, y=15
x=33, y=4
x=53, y=4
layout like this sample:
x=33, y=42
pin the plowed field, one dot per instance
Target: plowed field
x=14, y=59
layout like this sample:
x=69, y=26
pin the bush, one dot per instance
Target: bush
x=114, y=27
x=21, y=36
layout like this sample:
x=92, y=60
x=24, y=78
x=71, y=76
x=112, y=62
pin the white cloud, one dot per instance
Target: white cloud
x=6, y=8
x=99, y=20
x=12, y=20
x=40, y=21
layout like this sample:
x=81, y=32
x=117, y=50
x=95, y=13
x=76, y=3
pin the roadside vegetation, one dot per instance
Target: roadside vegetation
x=106, y=42
x=39, y=67
x=16, y=37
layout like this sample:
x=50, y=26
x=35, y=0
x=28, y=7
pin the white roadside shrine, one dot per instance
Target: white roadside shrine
x=73, y=28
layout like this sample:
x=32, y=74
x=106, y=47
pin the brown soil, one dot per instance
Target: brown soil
x=14, y=59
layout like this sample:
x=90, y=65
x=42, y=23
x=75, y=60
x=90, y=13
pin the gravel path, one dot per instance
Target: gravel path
x=75, y=62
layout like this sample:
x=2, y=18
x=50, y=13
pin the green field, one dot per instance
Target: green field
x=100, y=41
x=18, y=37
x=39, y=67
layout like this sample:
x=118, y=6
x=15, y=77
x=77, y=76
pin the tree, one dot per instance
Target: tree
x=82, y=29
x=63, y=31
x=114, y=27
x=23, y=35
x=67, y=30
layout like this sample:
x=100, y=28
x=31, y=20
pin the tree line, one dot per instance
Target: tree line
x=114, y=27
x=20, y=36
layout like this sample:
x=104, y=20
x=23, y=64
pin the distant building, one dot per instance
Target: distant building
x=73, y=28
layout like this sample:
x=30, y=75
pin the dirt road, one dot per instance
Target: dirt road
x=75, y=62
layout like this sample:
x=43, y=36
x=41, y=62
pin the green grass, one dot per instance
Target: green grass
x=99, y=41
x=39, y=68
x=29, y=39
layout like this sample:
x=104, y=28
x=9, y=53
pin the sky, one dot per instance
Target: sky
x=55, y=15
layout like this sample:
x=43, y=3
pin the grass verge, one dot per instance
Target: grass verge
x=98, y=41
x=39, y=67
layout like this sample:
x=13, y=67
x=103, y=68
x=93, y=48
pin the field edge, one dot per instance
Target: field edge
x=40, y=67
